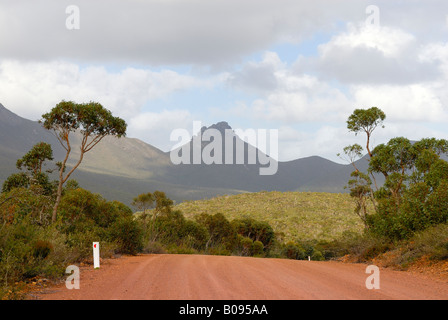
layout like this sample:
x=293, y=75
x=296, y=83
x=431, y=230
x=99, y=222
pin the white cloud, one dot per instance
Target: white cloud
x=424, y=19
x=365, y=54
x=295, y=143
x=33, y=88
x=156, y=127
x=401, y=68
x=257, y=76
x=327, y=141
x=391, y=42
x=162, y=32
x=301, y=98
x=436, y=52
x=413, y=103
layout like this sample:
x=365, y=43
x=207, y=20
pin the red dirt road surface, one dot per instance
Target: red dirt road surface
x=202, y=277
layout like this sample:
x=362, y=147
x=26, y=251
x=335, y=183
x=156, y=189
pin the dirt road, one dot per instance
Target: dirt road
x=200, y=277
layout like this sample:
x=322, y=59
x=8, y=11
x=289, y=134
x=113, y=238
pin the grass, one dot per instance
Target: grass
x=293, y=215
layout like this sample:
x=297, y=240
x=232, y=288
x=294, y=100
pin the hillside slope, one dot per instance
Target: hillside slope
x=123, y=168
x=293, y=215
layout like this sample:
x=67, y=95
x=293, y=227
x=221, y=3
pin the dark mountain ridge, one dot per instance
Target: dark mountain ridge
x=123, y=168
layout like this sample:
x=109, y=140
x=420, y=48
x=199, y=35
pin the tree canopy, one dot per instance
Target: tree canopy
x=414, y=193
x=366, y=120
x=94, y=123
x=34, y=159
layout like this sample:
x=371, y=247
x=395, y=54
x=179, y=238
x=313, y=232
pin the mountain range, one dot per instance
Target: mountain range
x=120, y=169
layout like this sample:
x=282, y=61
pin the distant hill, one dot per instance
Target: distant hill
x=306, y=174
x=292, y=215
x=123, y=168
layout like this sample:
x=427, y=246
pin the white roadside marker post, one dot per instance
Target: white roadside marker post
x=96, y=255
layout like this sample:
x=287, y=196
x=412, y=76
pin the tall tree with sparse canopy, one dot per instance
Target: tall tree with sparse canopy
x=92, y=120
x=143, y=201
x=366, y=120
x=362, y=120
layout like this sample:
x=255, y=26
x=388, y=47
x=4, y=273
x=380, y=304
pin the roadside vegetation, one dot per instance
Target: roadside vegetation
x=46, y=225
x=405, y=218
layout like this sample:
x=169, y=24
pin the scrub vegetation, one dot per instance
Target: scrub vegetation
x=47, y=225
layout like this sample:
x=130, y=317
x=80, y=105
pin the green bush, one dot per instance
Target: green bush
x=128, y=234
x=154, y=247
x=193, y=235
x=432, y=242
x=347, y=243
x=180, y=249
x=295, y=251
x=317, y=256
x=245, y=245
x=436, y=205
x=219, y=251
x=255, y=230
x=220, y=231
x=257, y=248
x=419, y=208
x=171, y=230
x=41, y=249
x=28, y=250
x=31, y=246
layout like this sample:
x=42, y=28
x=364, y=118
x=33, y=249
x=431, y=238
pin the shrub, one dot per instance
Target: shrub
x=220, y=230
x=30, y=246
x=180, y=249
x=193, y=235
x=219, y=251
x=257, y=248
x=255, y=230
x=317, y=256
x=246, y=244
x=128, y=234
x=436, y=206
x=41, y=249
x=432, y=242
x=295, y=251
x=154, y=247
x=373, y=247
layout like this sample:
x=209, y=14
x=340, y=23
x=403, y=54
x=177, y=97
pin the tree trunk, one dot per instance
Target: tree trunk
x=62, y=180
x=59, y=192
x=368, y=145
x=56, y=204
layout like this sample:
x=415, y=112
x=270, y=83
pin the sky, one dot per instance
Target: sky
x=299, y=67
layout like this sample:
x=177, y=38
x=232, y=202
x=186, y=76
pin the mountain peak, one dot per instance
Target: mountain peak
x=221, y=126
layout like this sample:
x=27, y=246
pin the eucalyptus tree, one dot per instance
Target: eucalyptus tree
x=362, y=120
x=366, y=120
x=92, y=120
x=33, y=162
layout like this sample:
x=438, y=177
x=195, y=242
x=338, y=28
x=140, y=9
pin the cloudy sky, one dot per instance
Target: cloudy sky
x=300, y=67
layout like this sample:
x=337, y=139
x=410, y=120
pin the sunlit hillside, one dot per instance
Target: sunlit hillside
x=298, y=215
